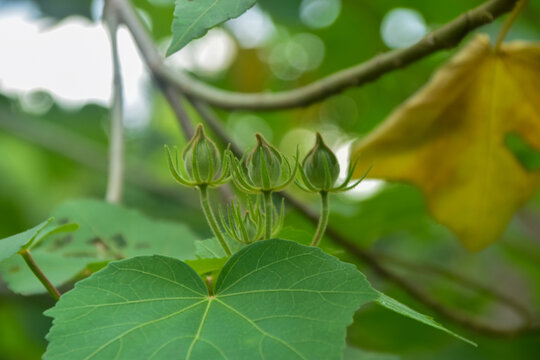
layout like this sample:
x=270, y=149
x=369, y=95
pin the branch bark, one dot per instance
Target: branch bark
x=447, y=36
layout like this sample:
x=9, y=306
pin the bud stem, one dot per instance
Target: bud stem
x=267, y=201
x=211, y=219
x=323, y=220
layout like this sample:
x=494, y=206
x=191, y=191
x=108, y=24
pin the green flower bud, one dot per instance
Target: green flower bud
x=321, y=166
x=264, y=164
x=201, y=157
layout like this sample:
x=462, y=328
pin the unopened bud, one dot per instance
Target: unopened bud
x=321, y=166
x=264, y=164
x=201, y=157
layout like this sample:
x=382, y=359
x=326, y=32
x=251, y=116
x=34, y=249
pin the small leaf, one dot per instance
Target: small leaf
x=106, y=232
x=13, y=244
x=404, y=310
x=193, y=18
x=274, y=299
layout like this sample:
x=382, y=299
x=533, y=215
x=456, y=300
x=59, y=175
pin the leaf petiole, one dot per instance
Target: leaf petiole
x=509, y=22
x=55, y=294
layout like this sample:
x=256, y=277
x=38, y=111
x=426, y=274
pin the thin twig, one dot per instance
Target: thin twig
x=55, y=294
x=115, y=181
x=175, y=99
x=461, y=280
x=508, y=23
x=447, y=36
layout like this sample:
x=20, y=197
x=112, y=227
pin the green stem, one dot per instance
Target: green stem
x=211, y=218
x=39, y=274
x=267, y=202
x=323, y=219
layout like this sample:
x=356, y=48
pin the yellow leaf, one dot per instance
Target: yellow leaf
x=449, y=139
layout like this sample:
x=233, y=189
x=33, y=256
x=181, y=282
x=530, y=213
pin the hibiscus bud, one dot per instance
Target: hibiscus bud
x=201, y=157
x=321, y=166
x=264, y=164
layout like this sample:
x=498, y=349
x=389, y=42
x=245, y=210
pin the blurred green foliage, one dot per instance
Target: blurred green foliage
x=39, y=170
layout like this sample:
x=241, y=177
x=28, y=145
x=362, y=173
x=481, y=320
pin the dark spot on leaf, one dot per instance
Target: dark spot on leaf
x=99, y=244
x=61, y=242
x=14, y=269
x=80, y=254
x=119, y=241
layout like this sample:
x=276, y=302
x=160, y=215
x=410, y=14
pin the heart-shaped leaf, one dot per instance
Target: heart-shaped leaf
x=274, y=299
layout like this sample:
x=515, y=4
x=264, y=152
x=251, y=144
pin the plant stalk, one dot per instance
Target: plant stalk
x=115, y=182
x=55, y=294
x=509, y=22
x=267, y=202
x=323, y=219
x=211, y=219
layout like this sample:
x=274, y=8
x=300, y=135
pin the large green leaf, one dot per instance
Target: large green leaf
x=106, y=232
x=192, y=19
x=13, y=244
x=274, y=299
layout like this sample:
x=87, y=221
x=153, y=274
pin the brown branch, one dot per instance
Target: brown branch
x=447, y=36
x=461, y=280
x=200, y=94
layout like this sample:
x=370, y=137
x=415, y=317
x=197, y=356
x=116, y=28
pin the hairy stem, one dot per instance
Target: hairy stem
x=115, y=182
x=267, y=203
x=55, y=294
x=323, y=219
x=211, y=218
x=509, y=22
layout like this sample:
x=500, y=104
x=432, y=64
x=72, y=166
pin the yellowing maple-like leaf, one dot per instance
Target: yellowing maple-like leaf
x=449, y=139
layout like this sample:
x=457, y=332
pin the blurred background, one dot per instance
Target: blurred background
x=55, y=89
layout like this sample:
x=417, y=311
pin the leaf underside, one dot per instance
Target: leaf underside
x=193, y=19
x=274, y=299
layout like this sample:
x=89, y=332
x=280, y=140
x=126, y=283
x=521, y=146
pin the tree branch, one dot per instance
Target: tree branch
x=447, y=36
x=115, y=182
